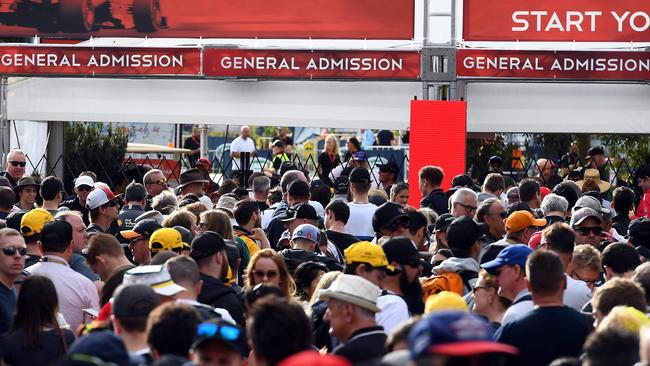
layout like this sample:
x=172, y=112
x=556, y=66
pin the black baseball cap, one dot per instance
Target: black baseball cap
x=443, y=221
x=359, y=175
x=277, y=143
x=56, y=232
x=463, y=232
x=142, y=228
x=596, y=150
x=300, y=211
x=186, y=235
x=400, y=250
x=134, y=301
x=391, y=167
x=341, y=185
x=387, y=214
x=639, y=231
x=299, y=189
x=220, y=330
x=206, y=244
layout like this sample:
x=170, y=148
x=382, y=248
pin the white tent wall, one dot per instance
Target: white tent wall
x=376, y=105
x=558, y=108
x=31, y=137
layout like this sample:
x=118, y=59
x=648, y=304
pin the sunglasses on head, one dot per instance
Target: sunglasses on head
x=10, y=251
x=18, y=163
x=226, y=332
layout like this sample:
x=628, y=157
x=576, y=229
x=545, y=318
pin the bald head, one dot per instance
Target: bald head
x=245, y=132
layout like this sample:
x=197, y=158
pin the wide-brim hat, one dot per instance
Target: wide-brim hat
x=25, y=182
x=191, y=176
x=594, y=175
x=355, y=290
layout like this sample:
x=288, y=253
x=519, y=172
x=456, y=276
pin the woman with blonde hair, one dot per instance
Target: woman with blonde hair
x=267, y=266
x=328, y=159
x=486, y=300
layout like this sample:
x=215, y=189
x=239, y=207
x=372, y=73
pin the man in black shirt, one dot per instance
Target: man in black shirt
x=284, y=137
x=135, y=200
x=351, y=308
x=83, y=185
x=209, y=252
x=7, y=201
x=337, y=214
x=193, y=143
x=16, y=161
x=104, y=208
x=552, y=330
x=433, y=195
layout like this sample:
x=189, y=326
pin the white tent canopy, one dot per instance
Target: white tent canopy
x=339, y=104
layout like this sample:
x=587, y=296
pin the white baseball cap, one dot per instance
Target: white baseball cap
x=99, y=196
x=155, y=276
x=84, y=180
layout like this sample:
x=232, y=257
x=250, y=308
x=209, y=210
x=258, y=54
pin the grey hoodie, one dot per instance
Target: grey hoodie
x=458, y=265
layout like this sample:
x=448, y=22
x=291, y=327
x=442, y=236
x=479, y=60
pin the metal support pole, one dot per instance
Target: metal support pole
x=5, y=128
x=425, y=90
x=453, y=23
x=204, y=141
x=54, y=150
x=425, y=23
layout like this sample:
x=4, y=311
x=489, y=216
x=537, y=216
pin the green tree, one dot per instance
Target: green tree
x=87, y=148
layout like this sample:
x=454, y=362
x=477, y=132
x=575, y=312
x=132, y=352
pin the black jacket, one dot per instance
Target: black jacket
x=436, y=200
x=74, y=205
x=216, y=294
x=364, y=346
x=294, y=257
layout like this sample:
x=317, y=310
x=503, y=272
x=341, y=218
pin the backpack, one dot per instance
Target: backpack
x=448, y=281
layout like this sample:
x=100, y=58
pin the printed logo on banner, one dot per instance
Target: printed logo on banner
x=397, y=65
x=324, y=19
x=556, y=20
x=17, y=60
x=585, y=65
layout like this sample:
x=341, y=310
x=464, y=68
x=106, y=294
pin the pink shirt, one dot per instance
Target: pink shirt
x=75, y=292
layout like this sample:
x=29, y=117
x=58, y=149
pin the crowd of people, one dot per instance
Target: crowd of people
x=337, y=268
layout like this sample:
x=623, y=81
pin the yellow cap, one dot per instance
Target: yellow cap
x=444, y=300
x=366, y=252
x=519, y=220
x=165, y=239
x=33, y=221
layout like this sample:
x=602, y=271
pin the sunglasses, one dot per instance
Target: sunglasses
x=586, y=230
x=18, y=163
x=10, y=251
x=161, y=182
x=85, y=188
x=269, y=274
x=502, y=214
x=467, y=208
x=225, y=332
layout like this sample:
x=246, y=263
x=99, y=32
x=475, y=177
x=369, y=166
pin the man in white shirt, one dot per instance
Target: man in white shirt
x=361, y=210
x=75, y=292
x=509, y=269
x=243, y=143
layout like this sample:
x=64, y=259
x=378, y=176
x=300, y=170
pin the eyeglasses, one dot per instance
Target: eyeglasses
x=586, y=230
x=596, y=282
x=17, y=163
x=226, y=332
x=85, y=188
x=467, y=208
x=262, y=274
x=478, y=288
x=203, y=224
x=10, y=251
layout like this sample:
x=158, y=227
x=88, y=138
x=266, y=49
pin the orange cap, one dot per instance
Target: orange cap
x=519, y=220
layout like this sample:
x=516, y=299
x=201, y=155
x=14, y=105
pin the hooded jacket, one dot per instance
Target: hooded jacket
x=216, y=294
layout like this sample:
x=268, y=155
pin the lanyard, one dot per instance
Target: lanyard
x=54, y=260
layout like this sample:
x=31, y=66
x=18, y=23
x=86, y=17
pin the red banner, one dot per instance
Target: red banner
x=556, y=20
x=338, y=19
x=585, y=65
x=438, y=137
x=15, y=60
x=311, y=64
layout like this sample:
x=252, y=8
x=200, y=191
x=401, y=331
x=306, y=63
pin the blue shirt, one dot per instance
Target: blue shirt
x=78, y=264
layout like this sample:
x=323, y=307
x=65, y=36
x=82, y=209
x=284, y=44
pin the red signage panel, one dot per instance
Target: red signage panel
x=556, y=20
x=578, y=65
x=18, y=60
x=428, y=146
x=311, y=64
x=338, y=19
